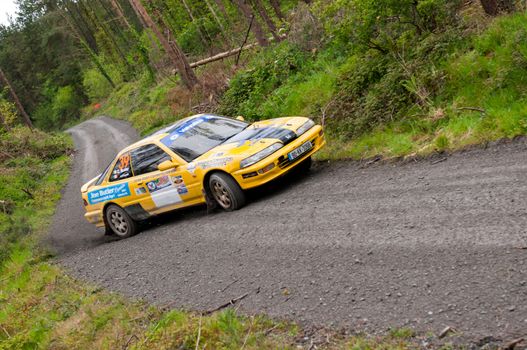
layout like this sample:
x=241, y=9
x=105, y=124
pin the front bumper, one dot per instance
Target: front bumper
x=253, y=176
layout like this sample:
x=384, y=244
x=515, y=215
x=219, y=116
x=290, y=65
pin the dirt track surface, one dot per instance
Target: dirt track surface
x=423, y=244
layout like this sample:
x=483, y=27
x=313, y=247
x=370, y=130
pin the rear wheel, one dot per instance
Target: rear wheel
x=226, y=192
x=119, y=222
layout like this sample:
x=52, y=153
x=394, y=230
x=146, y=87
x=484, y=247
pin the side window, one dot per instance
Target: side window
x=145, y=159
x=122, y=169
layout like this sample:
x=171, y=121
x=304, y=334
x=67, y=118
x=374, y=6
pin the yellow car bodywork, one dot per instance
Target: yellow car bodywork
x=185, y=183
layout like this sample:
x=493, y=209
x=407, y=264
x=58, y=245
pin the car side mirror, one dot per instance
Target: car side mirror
x=167, y=164
x=240, y=118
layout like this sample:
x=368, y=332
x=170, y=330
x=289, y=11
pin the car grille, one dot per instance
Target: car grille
x=284, y=162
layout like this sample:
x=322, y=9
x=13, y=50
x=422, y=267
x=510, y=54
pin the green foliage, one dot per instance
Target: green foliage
x=39, y=56
x=62, y=105
x=9, y=113
x=269, y=70
x=29, y=164
x=96, y=86
x=381, y=25
x=66, y=104
x=402, y=333
x=441, y=142
x=197, y=36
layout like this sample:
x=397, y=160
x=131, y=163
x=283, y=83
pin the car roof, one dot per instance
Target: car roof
x=158, y=135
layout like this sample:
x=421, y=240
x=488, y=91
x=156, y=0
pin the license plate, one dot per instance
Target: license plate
x=300, y=150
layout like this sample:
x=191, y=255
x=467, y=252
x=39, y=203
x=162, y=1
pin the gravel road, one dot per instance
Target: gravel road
x=423, y=244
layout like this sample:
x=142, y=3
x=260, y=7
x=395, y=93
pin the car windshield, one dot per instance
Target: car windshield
x=103, y=174
x=194, y=137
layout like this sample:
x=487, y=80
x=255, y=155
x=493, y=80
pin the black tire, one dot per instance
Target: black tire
x=305, y=165
x=119, y=222
x=226, y=192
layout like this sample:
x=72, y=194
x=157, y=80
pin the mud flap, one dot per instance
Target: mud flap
x=107, y=230
x=137, y=212
x=211, y=202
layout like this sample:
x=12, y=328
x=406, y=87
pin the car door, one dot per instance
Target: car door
x=117, y=189
x=158, y=191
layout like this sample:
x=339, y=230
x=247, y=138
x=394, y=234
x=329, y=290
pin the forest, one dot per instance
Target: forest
x=386, y=78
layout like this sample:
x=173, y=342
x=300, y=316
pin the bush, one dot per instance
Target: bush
x=269, y=70
x=66, y=105
x=191, y=38
x=25, y=167
x=22, y=142
x=380, y=24
x=96, y=86
x=9, y=113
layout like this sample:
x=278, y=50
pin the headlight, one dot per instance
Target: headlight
x=255, y=158
x=305, y=127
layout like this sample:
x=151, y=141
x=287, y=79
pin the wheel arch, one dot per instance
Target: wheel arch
x=106, y=205
x=211, y=172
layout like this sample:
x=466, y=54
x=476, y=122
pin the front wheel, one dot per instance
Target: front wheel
x=305, y=166
x=119, y=222
x=226, y=191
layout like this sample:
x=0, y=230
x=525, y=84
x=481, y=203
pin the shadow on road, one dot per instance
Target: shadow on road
x=266, y=192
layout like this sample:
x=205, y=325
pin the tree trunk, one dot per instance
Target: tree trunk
x=19, y=106
x=88, y=49
x=256, y=27
x=193, y=19
x=91, y=12
x=223, y=11
x=138, y=47
x=495, y=7
x=120, y=14
x=173, y=51
x=270, y=24
x=81, y=25
x=276, y=7
x=217, y=19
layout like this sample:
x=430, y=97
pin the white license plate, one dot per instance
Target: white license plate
x=300, y=150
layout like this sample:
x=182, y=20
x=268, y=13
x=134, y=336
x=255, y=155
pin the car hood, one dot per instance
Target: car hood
x=255, y=138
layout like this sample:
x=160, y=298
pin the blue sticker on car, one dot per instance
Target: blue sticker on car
x=183, y=128
x=109, y=193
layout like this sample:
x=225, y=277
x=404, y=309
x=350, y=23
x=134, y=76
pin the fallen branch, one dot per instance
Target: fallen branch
x=512, y=344
x=26, y=191
x=445, y=331
x=248, y=334
x=439, y=161
x=324, y=111
x=370, y=162
x=268, y=331
x=7, y=154
x=199, y=333
x=475, y=109
x=221, y=55
x=230, y=284
x=227, y=304
x=6, y=332
x=125, y=346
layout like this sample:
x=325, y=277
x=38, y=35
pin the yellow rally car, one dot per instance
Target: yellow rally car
x=200, y=159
